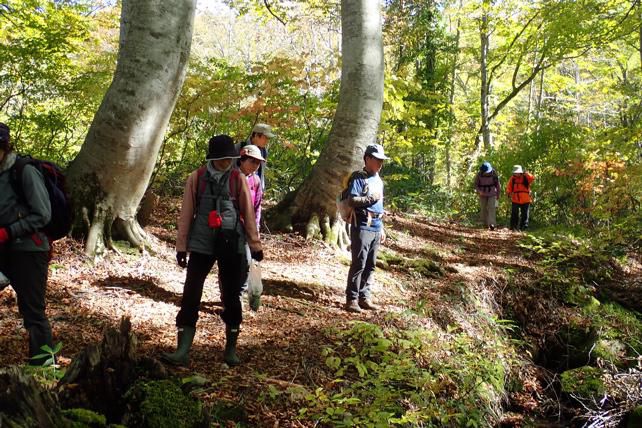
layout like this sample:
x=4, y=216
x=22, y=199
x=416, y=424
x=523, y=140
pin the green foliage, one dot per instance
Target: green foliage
x=53, y=74
x=385, y=378
x=49, y=373
x=162, y=403
x=571, y=265
x=408, y=190
x=50, y=354
x=572, y=269
x=220, y=97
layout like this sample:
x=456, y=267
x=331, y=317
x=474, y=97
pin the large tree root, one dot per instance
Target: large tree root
x=102, y=226
x=332, y=231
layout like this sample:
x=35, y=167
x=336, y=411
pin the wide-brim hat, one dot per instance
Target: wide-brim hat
x=252, y=151
x=221, y=147
x=263, y=128
x=517, y=169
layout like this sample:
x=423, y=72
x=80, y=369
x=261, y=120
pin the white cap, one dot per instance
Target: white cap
x=252, y=151
x=517, y=169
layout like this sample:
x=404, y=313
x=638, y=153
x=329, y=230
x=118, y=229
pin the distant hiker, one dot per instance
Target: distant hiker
x=488, y=189
x=518, y=189
x=366, y=232
x=24, y=248
x=216, y=220
x=260, y=137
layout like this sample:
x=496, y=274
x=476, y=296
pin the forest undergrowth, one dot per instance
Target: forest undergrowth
x=476, y=328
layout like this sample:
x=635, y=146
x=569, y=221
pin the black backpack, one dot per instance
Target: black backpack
x=61, y=213
x=526, y=183
x=344, y=209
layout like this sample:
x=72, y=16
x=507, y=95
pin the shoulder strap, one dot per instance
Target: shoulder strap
x=16, y=173
x=234, y=187
x=200, y=173
x=201, y=184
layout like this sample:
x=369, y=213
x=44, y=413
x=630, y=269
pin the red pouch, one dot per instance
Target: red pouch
x=214, y=220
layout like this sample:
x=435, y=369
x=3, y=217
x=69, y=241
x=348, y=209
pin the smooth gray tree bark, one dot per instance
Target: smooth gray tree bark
x=484, y=35
x=355, y=124
x=109, y=176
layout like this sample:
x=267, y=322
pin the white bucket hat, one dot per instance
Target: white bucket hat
x=517, y=169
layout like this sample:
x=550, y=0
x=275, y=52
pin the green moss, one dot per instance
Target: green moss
x=634, y=419
x=386, y=260
x=84, y=418
x=126, y=248
x=584, y=381
x=612, y=351
x=425, y=267
x=160, y=404
x=616, y=323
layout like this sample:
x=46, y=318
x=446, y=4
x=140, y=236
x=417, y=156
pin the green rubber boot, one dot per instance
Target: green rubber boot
x=185, y=339
x=231, y=336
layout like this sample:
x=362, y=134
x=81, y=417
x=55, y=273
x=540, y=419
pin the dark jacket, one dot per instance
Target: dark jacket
x=24, y=218
x=487, y=184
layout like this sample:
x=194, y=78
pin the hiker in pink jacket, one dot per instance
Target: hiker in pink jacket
x=249, y=164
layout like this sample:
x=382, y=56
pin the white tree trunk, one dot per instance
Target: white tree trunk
x=110, y=174
x=355, y=122
x=484, y=35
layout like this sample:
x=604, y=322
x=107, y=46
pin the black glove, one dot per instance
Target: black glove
x=257, y=255
x=181, y=258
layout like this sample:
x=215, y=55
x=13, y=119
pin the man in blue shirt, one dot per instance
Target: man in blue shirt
x=366, y=232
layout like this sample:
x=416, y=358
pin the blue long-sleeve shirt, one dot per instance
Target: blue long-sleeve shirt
x=374, y=185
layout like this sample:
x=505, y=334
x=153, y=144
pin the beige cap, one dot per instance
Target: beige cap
x=265, y=129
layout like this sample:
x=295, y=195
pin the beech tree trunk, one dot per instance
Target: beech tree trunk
x=355, y=125
x=484, y=35
x=109, y=176
x=451, y=102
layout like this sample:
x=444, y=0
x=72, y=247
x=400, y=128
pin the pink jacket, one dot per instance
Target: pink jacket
x=256, y=193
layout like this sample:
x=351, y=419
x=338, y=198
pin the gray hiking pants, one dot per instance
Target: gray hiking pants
x=364, y=246
x=488, y=210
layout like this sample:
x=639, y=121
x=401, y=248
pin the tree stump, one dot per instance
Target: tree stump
x=101, y=375
x=25, y=403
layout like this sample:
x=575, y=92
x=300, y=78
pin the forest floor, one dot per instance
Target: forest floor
x=304, y=281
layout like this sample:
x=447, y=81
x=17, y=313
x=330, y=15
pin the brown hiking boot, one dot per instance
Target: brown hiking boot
x=352, y=306
x=367, y=304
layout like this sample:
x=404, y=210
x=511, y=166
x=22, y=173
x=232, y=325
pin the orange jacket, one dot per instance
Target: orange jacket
x=517, y=190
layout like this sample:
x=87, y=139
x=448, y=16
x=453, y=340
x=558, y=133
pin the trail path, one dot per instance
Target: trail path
x=304, y=292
